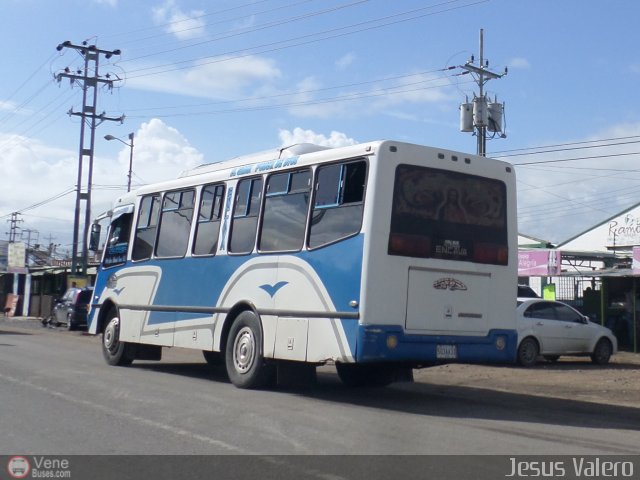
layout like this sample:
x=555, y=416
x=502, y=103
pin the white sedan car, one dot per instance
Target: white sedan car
x=551, y=329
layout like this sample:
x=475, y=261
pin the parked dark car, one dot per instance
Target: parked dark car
x=525, y=291
x=72, y=309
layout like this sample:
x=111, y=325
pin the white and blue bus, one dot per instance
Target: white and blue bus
x=379, y=258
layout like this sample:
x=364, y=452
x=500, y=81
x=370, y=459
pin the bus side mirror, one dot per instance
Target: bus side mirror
x=94, y=238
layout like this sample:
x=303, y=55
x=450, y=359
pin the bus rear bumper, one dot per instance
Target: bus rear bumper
x=392, y=344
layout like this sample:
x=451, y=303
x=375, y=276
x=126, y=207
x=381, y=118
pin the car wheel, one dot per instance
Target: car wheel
x=528, y=352
x=115, y=352
x=602, y=352
x=243, y=356
x=552, y=358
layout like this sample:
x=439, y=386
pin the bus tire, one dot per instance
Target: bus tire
x=366, y=375
x=243, y=356
x=115, y=352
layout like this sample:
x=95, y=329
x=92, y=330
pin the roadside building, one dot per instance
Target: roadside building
x=595, y=271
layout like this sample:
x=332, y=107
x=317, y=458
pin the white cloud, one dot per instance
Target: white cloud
x=231, y=75
x=32, y=172
x=160, y=152
x=519, y=63
x=184, y=25
x=299, y=135
x=110, y=3
x=411, y=90
x=7, y=106
x=225, y=78
x=345, y=61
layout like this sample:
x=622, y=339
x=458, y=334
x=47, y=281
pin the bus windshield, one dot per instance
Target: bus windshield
x=448, y=215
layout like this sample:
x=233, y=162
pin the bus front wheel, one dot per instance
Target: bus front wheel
x=115, y=352
x=243, y=356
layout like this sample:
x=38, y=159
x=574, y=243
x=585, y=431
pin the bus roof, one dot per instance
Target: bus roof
x=236, y=165
x=273, y=154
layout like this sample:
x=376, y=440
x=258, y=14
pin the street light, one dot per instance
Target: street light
x=130, y=145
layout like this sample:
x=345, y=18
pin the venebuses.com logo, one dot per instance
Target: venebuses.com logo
x=38, y=467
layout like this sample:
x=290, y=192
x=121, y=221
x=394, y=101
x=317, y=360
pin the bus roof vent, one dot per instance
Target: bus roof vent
x=283, y=152
x=301, y=149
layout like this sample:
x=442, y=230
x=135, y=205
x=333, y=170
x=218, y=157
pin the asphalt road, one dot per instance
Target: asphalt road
x=58, y=397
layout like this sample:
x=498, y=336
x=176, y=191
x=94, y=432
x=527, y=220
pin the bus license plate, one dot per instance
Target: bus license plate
x=446, y=352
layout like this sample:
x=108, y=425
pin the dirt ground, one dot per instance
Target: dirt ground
x=574, y=378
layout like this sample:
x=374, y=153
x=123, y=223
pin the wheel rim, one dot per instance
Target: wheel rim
x=244, y=350
x=603, y=351
x=110, y=336
x=529, y=352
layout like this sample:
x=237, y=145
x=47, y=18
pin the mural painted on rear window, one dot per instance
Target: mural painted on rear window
x=449, y=197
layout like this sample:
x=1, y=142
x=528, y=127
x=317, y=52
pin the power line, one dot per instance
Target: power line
x=272, y=24
x=42, y=202
x=612, y=155
x=388, y=92
x=196, y=17
x=300, y=92
x=33, y=74
x=271, y=47
x=561, y=145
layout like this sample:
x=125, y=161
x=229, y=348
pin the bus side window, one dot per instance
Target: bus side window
x=175, y=224
x=245, y=216
x=146, y=228
x=285, y=211
x=208, y=227
x=338, y=203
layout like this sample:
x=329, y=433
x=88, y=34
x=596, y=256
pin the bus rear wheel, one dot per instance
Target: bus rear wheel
x=243, y=355
x=115, y=352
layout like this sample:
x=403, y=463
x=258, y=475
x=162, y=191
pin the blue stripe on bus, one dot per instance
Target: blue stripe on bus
x=373, y=345
x=199, y=282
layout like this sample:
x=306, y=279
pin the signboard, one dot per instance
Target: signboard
x=539, y=262
x=17, y=258
x=623, y=231
x=76, y=281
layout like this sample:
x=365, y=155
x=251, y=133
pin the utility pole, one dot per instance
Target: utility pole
x=51, y=249
x=89, y=116
x=481, y=115
x=13, y=229
x=29, y=249
x=28, y=232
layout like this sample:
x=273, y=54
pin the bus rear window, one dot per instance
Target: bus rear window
x=448, y=215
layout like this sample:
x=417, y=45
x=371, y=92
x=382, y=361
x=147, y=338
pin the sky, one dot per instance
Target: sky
x=200, y=81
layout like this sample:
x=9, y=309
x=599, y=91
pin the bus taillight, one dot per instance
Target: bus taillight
x=491, y=253
x=409, y=245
